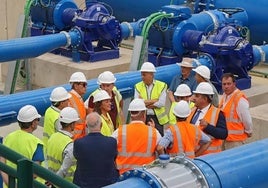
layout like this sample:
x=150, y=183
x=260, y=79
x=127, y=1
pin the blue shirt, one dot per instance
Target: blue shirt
x=177, y=80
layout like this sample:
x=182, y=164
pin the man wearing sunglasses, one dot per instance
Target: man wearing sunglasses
x=78, y=82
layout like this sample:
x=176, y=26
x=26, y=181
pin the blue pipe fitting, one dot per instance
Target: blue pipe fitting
x=61, y=17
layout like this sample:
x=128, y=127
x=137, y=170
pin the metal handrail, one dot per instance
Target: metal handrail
x=25, y=171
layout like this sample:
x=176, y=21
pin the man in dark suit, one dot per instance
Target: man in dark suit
x=95, y=156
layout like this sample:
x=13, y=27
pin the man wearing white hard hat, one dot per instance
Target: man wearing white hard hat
x=186, y=77
x=183, y=137
x=153, y=92
x=209, y=118
x=78, y=82
x=203, y=75
x=136, y=141
x=60, y=157
x=106, y=81
x=59, y=98
x=23, y=141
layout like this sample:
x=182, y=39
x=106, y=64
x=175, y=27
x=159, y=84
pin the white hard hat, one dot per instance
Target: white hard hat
x=204, y=88
x=137, y=105
x=106, y=77
x=27, y=114
x=59, y=94
x=78, y=77
x=182, y=109
x=68, y=115
x=147, y=67
x=183, y=90
x=203, y=71
x=101, y=95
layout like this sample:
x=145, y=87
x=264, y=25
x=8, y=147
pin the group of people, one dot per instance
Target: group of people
x=89, y=144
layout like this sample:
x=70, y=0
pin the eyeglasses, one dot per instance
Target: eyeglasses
x=84, y=84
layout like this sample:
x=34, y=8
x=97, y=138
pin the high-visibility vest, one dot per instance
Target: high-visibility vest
x=55, y=148
x=158, y=88
x=50, y=118
x=236, y=129
x=211, y=117
x=136, y=145
x=107, y=128
x=172, y=117
x=23, y=143
x=80, y=125
x=118, y=98
x=185, y=139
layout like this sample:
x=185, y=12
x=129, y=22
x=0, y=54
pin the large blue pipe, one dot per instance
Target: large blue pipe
x=244, y=166
x=10, y=104
x=30, y=47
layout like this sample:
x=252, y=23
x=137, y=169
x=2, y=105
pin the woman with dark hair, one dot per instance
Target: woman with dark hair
x=102, y=106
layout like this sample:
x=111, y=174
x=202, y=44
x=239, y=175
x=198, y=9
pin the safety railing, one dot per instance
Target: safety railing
x=22, y=177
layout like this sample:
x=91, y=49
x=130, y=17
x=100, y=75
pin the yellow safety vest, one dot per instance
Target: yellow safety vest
x=23, y=143
x=158, y=87
x=107, y=128
x=55, y=148
x=50, y=118
x=118, y=98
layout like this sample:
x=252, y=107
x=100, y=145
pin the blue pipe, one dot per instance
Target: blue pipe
x=23, y=48
x=244, y=166
x=10, y=104
x=260, y=54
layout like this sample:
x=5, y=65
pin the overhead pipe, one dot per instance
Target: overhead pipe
x=244, y=166
x=10, y=104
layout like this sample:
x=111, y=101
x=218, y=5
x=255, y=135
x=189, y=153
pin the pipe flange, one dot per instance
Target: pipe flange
x=214, y=19
x=263, y=56
x=187, y=162
x=131, y=30
x=68, y=38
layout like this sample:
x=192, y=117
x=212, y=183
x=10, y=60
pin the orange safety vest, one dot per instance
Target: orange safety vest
x=80, y=126
x=211, y=117
x=236, y=130
x=185, y=139
x=136, y=145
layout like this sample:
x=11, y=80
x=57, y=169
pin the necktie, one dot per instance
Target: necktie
x=195, y=118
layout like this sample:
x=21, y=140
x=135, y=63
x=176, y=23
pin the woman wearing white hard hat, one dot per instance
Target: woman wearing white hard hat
x=106, y=81
x=102, y=102
x=183, y=92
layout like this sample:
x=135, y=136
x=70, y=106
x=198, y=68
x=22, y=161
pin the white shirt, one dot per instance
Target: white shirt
x=161, y=101
x=202, y=114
